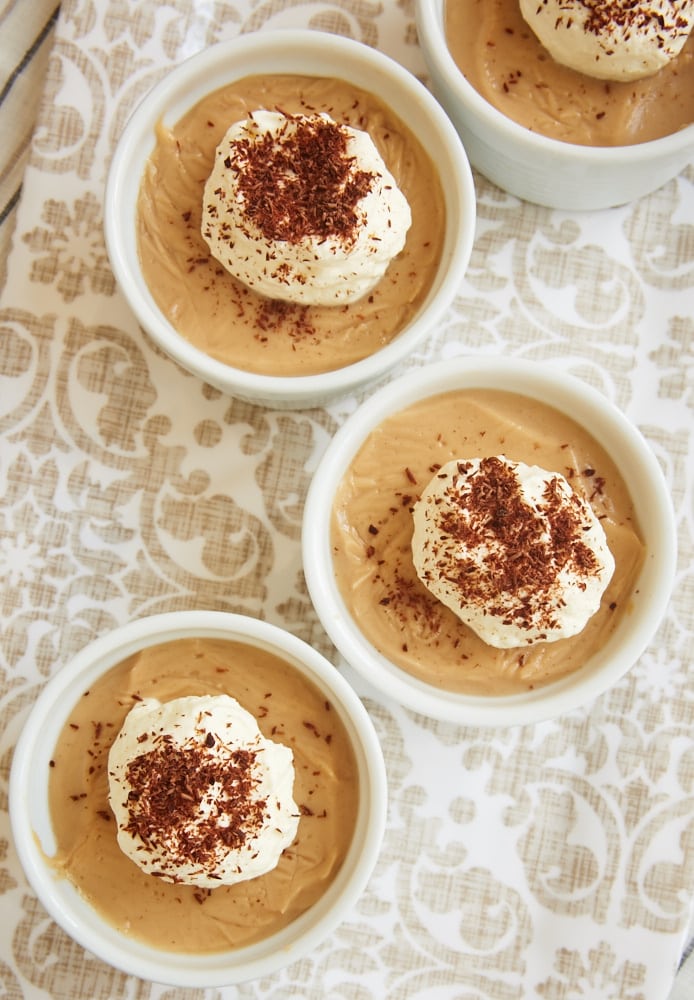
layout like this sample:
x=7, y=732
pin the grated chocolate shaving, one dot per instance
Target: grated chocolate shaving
x=168, y=785
x=301, y=182
x=522, y=566
x=619, y=19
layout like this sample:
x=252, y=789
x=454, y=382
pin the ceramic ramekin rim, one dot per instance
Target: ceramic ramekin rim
x=80, y=921
x=544, y=702
x=459, y=191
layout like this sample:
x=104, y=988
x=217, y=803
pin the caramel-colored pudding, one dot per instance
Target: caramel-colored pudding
x=372, y=534
x=501, y=57
x=289, y=709
x=216, y=312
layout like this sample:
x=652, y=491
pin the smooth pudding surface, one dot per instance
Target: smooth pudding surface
x=504, y=61
x=215, y=311
x=372, y=532
x=289, y=709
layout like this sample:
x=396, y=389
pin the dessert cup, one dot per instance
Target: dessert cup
x=531, y=166
x=35, y=842
x=635, y=463
x=310, y=53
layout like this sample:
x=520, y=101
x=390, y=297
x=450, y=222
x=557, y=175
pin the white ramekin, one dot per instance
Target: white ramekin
x=644, y=480
x=32, y=829
x=531, y=166
x=311, y=53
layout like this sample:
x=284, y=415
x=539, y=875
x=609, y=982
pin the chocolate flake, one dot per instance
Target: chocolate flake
x=302, y=182
x=488, y=512
x=168, y=785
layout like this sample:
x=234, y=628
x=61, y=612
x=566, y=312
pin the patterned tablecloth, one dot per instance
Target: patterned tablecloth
x=551, y=861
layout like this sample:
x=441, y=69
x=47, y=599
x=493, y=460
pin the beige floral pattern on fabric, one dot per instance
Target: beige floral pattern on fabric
x=552, y=861
x=593, y=974
x=69, y=249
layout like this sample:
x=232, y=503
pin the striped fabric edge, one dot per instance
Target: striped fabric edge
x=26, y=30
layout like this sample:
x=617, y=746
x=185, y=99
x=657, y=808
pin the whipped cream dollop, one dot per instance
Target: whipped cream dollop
x=199, y=795
x=303, y=209
x=617, y=40
x=512, y=549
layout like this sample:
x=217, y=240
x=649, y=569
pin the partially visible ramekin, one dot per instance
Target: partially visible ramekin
x=312, y=53
x=644, y=481
x=32, y=828
x=531, y=166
